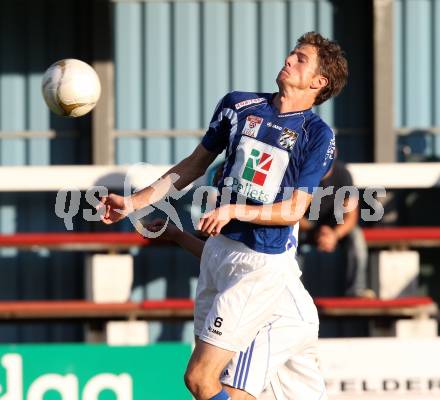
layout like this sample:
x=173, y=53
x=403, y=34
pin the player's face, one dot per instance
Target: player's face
x=300, y=68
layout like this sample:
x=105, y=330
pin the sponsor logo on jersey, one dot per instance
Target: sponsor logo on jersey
x=257, y=167
x=258, y=170
x=274, y=126
x=248, y=190
x=252, y=126
x=225, y=372
x=288, y=138
x=245, y=103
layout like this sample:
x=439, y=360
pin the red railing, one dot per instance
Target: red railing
x=405, y=236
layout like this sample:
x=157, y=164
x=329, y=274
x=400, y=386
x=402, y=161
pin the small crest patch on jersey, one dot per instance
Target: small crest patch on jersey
x=245, y=103
x=288, y=138
x=252, y=126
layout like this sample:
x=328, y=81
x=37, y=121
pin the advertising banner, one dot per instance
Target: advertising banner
x=361, y=369
x=93, y=372
x=381, y=368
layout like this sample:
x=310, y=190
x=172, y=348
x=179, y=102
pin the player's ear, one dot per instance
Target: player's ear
x=319, y=81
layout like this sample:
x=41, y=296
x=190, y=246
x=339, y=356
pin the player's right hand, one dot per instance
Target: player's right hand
x=114, y=208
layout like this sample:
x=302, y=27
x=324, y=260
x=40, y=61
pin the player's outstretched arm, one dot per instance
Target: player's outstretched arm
x=286, y=212
x=183, y=239
x=178, y=177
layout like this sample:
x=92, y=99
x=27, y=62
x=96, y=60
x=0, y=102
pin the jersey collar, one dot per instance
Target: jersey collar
x=288, y=114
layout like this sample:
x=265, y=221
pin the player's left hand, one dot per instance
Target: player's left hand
x=212, y=222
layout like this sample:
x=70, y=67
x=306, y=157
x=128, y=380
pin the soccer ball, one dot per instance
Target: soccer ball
x=71, y=87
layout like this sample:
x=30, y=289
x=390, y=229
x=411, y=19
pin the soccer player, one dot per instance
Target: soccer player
x=252, y=313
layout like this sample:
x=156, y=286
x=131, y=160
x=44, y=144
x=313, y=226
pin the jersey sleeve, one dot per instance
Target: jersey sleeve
x=318, y=160
x=217, y=136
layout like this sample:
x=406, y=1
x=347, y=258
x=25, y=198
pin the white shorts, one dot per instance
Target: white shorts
x=255, y=305
x=280, y=364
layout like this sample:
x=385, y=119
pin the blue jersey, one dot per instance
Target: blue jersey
x=268, y=155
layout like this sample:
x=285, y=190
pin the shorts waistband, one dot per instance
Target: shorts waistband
x=240, y=247
x=233, y=245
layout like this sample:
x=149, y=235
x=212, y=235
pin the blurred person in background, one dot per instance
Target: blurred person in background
x=335, y=242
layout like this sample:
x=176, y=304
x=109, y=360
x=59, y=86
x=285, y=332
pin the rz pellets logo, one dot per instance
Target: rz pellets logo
x=257, y=167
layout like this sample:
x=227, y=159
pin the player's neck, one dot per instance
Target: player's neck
x=291, y=102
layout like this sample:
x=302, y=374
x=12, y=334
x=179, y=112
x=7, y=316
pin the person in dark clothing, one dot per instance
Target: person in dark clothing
x=331, y=226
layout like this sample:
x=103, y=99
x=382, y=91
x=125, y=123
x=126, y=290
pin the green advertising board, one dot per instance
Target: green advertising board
x=93, y=372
